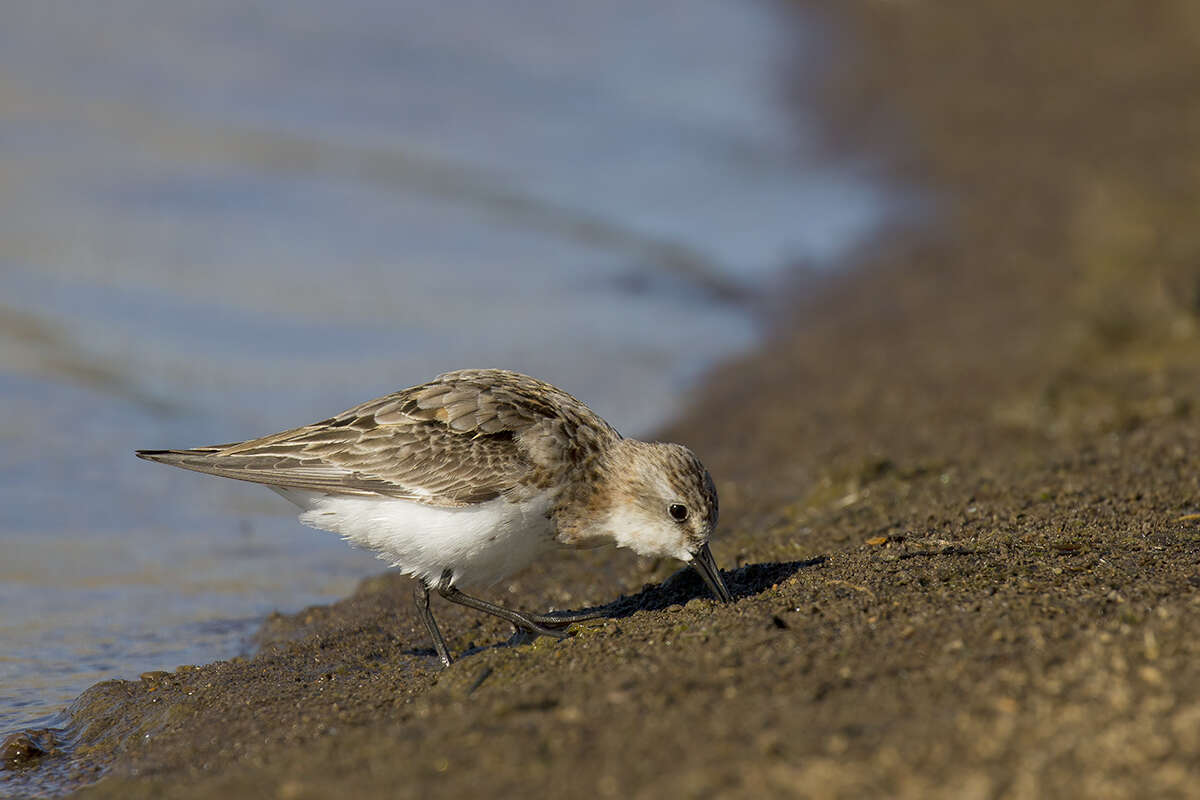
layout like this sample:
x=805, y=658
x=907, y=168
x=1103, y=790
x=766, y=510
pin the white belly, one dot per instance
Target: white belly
x=481, y=544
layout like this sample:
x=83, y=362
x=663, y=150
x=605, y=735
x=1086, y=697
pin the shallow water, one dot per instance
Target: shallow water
x=222, y=219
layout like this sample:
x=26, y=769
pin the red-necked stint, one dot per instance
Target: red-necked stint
x=468, y=478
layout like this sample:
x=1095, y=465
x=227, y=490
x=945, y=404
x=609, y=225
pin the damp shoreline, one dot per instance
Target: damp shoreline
x=959, y=496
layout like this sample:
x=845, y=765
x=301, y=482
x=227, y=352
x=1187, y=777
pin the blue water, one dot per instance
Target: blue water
x=219, y=219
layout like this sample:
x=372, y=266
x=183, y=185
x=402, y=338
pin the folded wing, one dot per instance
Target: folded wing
x=449, y=443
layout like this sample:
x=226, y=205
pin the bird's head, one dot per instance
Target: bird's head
x=662, y=502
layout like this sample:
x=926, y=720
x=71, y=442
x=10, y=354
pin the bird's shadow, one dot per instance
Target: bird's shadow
x=679, y=588
x=684, y=585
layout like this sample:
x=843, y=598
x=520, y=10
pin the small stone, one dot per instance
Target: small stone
x=1151, y=675
x=1006, y=705
x=24, y=747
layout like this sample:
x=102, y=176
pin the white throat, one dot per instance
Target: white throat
x=629, y=527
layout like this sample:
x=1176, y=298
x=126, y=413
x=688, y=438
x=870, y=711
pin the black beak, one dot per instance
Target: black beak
x=704, y=564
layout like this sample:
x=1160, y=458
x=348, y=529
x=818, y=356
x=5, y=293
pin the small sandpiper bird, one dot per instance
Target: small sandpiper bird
x=468, y=478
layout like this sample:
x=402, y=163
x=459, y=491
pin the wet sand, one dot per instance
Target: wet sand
x=959, y=499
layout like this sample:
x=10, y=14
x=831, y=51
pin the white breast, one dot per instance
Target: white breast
x=481, y=544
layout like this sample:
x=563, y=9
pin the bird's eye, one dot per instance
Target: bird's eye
x=678, y=511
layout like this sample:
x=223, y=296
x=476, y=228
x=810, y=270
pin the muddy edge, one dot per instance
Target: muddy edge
x=958, y=494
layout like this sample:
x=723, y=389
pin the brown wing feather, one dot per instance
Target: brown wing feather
x=463, y=438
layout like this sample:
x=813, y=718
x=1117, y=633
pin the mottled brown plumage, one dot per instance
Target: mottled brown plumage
x=463, y=438
x=471, y=476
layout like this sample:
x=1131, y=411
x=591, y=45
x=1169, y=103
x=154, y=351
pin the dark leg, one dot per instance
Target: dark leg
x=565, y=619
x=515, y=617
x=421, y=598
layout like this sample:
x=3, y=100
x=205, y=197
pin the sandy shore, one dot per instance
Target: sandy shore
x=959, y=498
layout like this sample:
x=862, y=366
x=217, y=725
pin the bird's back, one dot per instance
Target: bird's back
x=463, y=438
